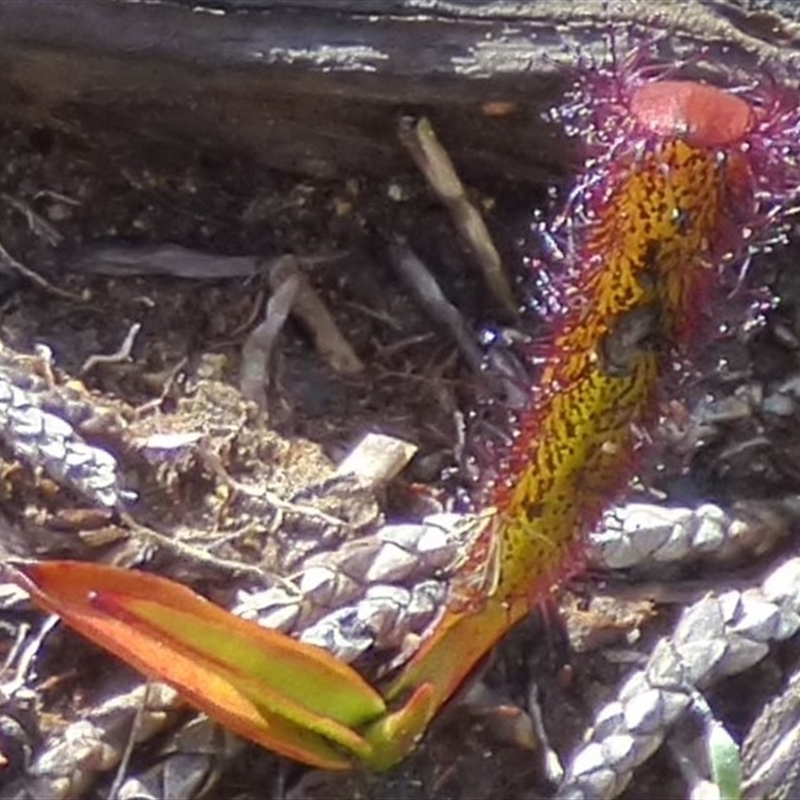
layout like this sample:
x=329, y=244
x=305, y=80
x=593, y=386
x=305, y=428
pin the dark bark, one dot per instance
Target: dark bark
x=317, y=86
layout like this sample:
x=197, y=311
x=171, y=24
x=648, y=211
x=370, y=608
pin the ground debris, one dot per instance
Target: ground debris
x=205, y=481
x=155, y=458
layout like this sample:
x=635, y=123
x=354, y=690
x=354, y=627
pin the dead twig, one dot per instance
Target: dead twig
x=122, y=354
x=259, y=347
x=157, y=402
x=213, y=463
x=130, y=743
x=314, y=315
x=421, y=281
x=159, y=259
x=26, y=656
x=194, y=554
x=38, y=224
x=419, y=138
x=17, y=266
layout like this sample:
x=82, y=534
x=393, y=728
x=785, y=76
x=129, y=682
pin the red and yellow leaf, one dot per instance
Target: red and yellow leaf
x=290, y=697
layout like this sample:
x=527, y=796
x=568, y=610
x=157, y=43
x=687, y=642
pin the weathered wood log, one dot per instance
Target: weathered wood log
x=316, y=86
